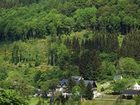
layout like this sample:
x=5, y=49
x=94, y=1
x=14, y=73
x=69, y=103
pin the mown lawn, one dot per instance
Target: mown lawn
x=34, y=101
x=108, y=100
x=97, y=102
x=128, y=102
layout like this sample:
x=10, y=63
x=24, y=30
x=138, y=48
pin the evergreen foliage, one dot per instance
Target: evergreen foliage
x=89, y=92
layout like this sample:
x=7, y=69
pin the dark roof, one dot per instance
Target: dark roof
x=93, y=83
x=63, y=82
x=87, y=82
x=131, y=92
x=77, y=77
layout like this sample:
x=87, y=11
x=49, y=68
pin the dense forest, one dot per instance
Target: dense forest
x=44, y=41
x=59, y=17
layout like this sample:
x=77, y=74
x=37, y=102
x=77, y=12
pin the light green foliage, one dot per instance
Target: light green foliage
x=110, y=57
x=17, y=82
x=3, y=72
x=123, y=84
x=129, y=66
x=52, y=48
x=9, y=97
x=120, y=39
x=49, y=84
x=85, y=17
x=26, y=53
x=108, y=70
x=76, y=91
x=55, y=21
x=137, y=100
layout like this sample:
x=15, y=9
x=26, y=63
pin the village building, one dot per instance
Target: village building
x=62, y=88
x=133, y=91
x=136, y=87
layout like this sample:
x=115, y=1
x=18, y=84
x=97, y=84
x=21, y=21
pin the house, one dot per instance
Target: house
x=63, y=82
x=59, y=89
x=96, y=94
x=39, y=93
x=66, y=94
x=129, y=93
x=93, y=83
x=77, y=79
x=136, y=87
x=62, y=87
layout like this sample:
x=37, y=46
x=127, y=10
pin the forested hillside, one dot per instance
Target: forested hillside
x=59, y=17
x=45, y=41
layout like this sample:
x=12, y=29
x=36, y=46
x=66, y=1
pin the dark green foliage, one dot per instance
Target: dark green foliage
x=13, y=3
x=130, y=45
x=57, y=17
x=104, y=42
x=89, y=92
x=62, y=51
x=111, y=57
x=3, y=72
x=37, y=76
x=71, y=83
x=75, y=45
x=89, y=65
x=83, y=87
x=137, y=100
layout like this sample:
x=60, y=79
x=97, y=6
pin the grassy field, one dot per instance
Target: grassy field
x=34, y=101
x=108, y=100
x=105, y=100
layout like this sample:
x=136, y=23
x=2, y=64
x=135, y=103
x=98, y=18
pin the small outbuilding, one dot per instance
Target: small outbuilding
x=129, y=94
x=136, y=87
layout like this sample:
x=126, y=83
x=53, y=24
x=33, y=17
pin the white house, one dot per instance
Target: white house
x=136, y=87
x=96, y=94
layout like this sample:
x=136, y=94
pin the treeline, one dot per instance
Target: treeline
x=59, y=17
x=130, y=45
x=14, y=3
x=95, y=58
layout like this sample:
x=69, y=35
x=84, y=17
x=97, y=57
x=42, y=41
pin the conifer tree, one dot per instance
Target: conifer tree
x=71, y=83
x=131, y=44
x=89, y=92
x=75, y=45
x=89, y=64
x=82, y=86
